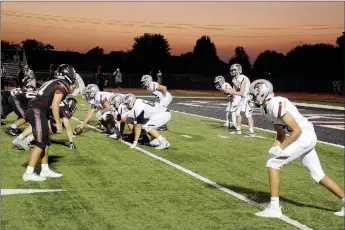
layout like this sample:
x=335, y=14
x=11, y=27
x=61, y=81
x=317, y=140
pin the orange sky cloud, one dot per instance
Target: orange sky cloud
x=257, y=26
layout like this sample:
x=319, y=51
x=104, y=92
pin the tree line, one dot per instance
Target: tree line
x=317, y=63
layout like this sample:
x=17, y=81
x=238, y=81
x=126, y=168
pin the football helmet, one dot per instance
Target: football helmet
x=115, y=100
x=260, y=91
x=72, y=104
x=129, y=100
x=219, y=81
x=66, y=72
x=235, y=70
x=26, y=68
x=145, y=81
x=90, y=91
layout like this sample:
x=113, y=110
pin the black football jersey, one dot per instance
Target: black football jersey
x=22, y=96
x=64, y=112
x=45, y=94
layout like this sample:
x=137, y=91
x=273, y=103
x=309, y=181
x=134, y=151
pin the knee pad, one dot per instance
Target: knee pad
x=274, y=163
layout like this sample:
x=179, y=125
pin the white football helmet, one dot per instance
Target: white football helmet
x=90, y=91
x=115, y=100
x=235, y=70
x=219, y=81
x=129, y=100
x=145, y=81
x=260, y=91
x=26, y=68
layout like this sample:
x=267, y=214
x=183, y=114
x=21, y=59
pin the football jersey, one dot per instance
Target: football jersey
x=238, y=81
x=81, y=85
x=278, y=106
x=99, y=100
x=64, y=111
x=226, y=86
x=153, y=87
x=45, y=94
x=22, y=96
x=146, y=109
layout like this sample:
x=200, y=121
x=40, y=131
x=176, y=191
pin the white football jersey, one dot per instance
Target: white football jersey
x=149, y=108
x=278, y=106
x=238, y=81
x=153, y=87
x=100, y=98
x=81, y=85
x=225, y=86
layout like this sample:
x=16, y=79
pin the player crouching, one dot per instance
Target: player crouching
x=159, y=91
x=147, y=116
x=67, y=109
x=300, y=144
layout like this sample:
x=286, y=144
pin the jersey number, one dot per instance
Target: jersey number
x=44, y=86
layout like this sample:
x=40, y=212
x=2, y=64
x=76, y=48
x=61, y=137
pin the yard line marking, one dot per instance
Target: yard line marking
x=266, y=130
x=186, y=136
x=284, y=218
x=221, y=136
x=5, y=192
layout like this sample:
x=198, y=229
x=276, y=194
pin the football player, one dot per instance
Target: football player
x=5, y=108
x=241, y=84
x=159, y=91
x=118, y=111
x=29, y=78
x=49, y=96
x=98, y=101
x=147, y=116
x=299, y=144
x=67, y=109
x=18, y=101
x=223, y=86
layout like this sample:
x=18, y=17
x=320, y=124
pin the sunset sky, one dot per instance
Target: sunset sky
x=257, y=26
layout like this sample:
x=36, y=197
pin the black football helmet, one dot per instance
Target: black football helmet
x=29, y=88
x=67, y=72
x=72, y=104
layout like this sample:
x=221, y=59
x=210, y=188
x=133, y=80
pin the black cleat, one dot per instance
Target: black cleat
x=11, y=132
x=3, y=123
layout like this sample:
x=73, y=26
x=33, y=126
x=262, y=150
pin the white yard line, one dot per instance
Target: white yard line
x=266, y=130
x=221, y=136
x=186, y=136
x=284, y=218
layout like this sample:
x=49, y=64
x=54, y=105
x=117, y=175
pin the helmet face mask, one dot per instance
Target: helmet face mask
x=66, y=72
x=129, y=100
x=145, y=81
x=29, y=88
x=260, y=91
x=235, y=70
x=219, y=81
x=90, y=91
x=115, y=101
x=72, y=104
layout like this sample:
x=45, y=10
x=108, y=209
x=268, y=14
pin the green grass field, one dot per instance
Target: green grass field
x=109, y=186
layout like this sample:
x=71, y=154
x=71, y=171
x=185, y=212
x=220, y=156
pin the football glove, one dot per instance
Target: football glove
x=72, y=145
x=275, y=151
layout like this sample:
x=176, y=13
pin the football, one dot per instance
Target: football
x=77, y=131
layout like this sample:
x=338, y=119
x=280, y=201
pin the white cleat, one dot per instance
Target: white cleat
x=250, y=135
x=232, y=125
x=154, y=142
x=341, y=212
x=270, y=212
x=238, y=132
x=25, y=145
x=50, y=173
x=32, y=177
x=163, y=145
x=226, y=124
x=16, y=142
x=114, y=136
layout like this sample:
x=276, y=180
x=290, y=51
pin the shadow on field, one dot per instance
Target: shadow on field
x=262, y=197
x=51, y=159
x=63, y=143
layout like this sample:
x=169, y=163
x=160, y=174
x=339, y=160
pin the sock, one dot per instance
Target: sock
x=343, y=200
x=20, y=137
x=275, y=202
x=233, y=117
x=13, y=126
x=45, y=167
x=238, y=128
x=227, y=116
x=161, y=138
x=251, y=130
x=29, y=170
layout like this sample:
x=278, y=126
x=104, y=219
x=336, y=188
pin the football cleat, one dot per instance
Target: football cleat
x=50, y=173
x=16, y=142
x=341, y=212
x=164, y=145
x=32, y=177
x=154, y=142
x=11, y=132
x=24, y=144
x=270, y=212
x=226, y=124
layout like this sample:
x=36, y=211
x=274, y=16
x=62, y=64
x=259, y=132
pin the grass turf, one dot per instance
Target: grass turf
x=109, y=186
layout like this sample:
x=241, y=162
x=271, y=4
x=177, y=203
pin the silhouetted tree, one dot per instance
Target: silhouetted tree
x=269, y=64
x=9, y=45
x=33, y=44
x=150, y=52
x=205, y=56
x=96, y=51
x=341, y=41
x=241, y=57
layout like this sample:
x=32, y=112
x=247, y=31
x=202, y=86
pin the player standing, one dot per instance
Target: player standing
x=300, y=144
